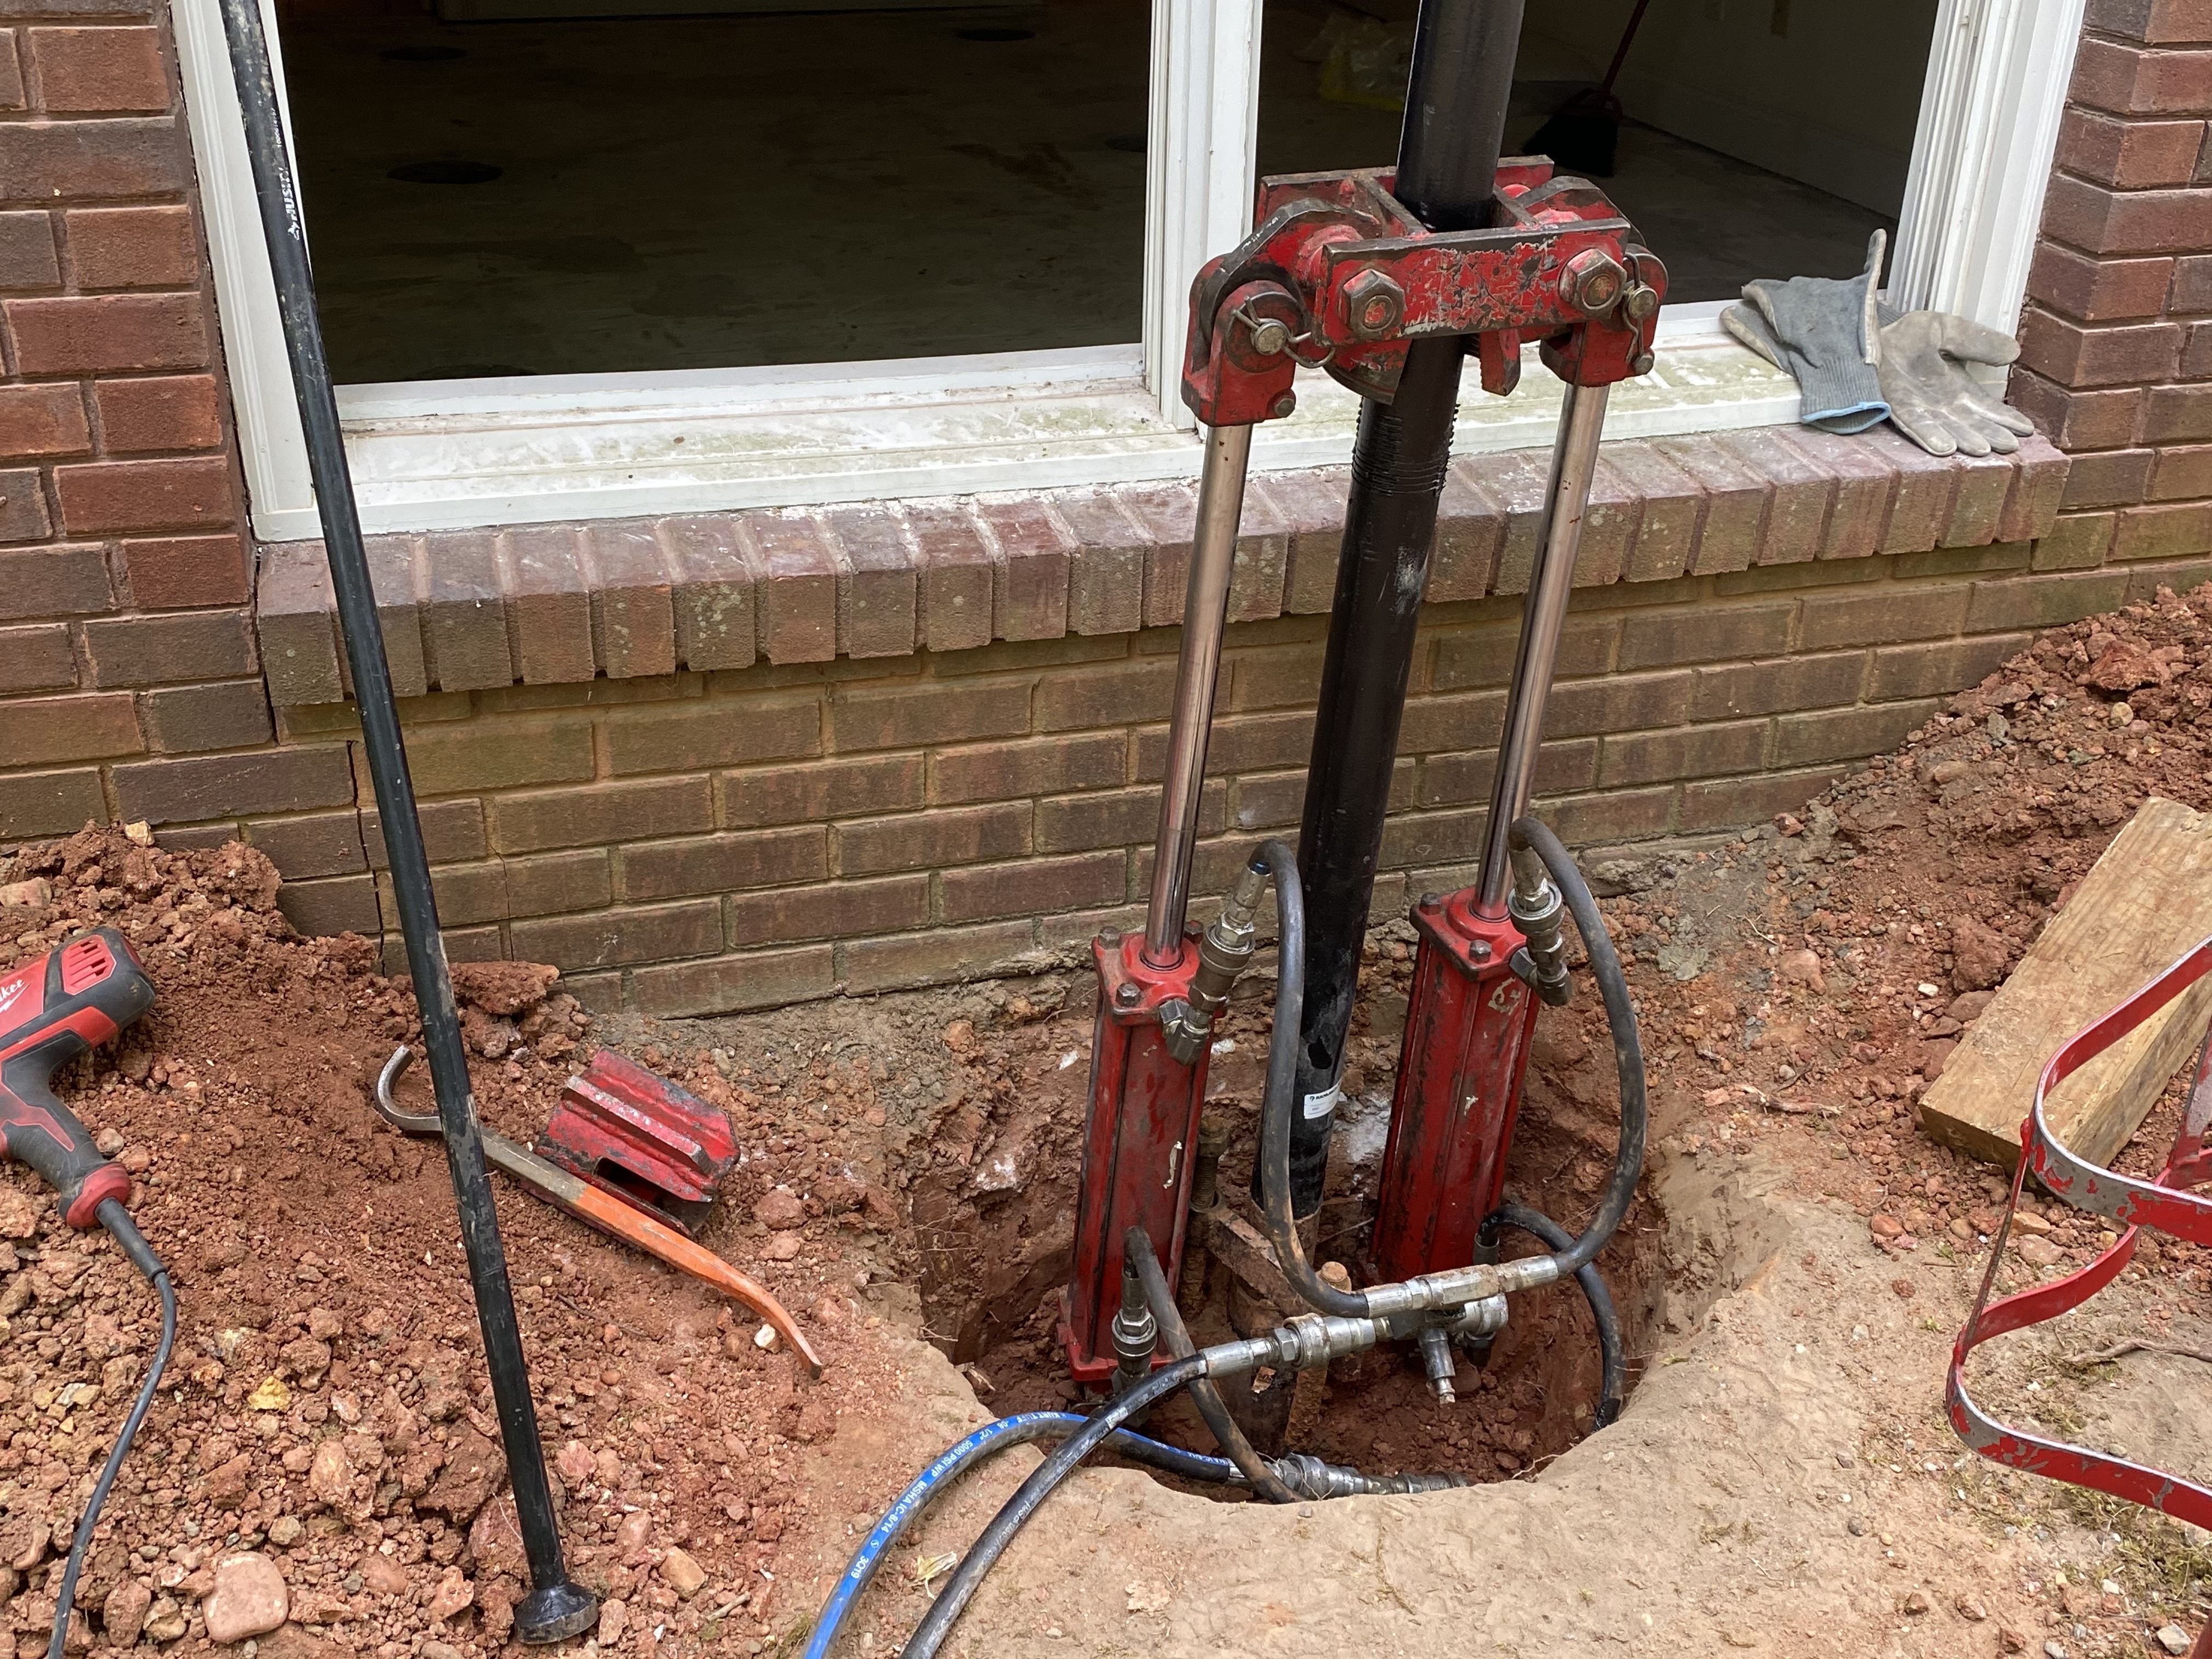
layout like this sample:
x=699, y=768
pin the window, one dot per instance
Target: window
x=731, y=332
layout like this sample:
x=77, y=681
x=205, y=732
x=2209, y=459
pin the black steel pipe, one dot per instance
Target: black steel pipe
x=557, y=1606
x=1448, y=150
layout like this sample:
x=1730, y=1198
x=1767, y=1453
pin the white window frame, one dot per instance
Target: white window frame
x=453, y=454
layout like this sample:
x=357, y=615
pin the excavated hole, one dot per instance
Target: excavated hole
x=993, y=1238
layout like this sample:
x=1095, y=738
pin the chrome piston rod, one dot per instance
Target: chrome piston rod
x=1566, y=502
x=1204, y=611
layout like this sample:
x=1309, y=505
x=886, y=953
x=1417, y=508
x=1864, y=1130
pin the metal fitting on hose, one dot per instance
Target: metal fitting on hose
x=1440, y=1361
x=1224, y=950
x=1136, y=1332
x=1541, y=912
x=1311, y=1477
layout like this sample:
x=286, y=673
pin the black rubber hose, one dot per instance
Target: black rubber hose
x=1137, y=1248
x=1280, y=1098
x=937, y=1623
x=113, y=1217
x=1614, y=1369
x=1534, y=835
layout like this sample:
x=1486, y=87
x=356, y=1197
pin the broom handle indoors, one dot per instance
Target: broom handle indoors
x=1627, y=39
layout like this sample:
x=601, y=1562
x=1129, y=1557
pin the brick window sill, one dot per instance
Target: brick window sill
x=547, y=604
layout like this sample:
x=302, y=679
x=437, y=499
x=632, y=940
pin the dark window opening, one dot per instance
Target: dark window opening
x=534, y=187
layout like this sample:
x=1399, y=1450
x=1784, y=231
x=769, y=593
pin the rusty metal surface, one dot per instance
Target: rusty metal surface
x=2162, y=1203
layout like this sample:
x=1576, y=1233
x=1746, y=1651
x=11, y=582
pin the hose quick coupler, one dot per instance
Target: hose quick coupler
x=1136, y=1333
x=1224, y=950
x=1541, y=914
x=1311, y=1477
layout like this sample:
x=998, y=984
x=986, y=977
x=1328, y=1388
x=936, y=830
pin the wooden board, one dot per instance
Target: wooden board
x=2145, y=903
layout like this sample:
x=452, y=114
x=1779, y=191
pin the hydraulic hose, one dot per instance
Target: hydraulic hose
x=1533, y=834
x=113, y=1217
x=1263, y=1481
x=937, y=1623
x=935, y=1480
x=1529, y=834
x=1612, y=1368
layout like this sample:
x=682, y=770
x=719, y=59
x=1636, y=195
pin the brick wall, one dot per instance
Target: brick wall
x=2116, y=359
x=124, y=634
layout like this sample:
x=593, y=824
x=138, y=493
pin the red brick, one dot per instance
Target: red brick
x=942, y=840
x=927, y=715
x=171, y=412
x=1256, y=574
x=2078, y=420
x=113, y=70
x=937, y=956
x=548, y=603
x=51, y=582
x=2038, y=480
x=40, y=730
x=1858, y=515
x=38, y=658
x=1735, y=504
x=1031, y=552
x=2101, y=220
x=818, y=792
x=1704, y=633
x=2129, y=155
x=694, y=734
x=1666, y=527
x=1483, y=656
x=2131, y=355
x=1831, y=620
x=2197, y=351
x=196, y=645
x=2131, y=80
x=465, y=643
x=722, y=863
x=714, y=598
x=1690, y=751
x=42, y=420
x=1038, y=766
x=1930, y=671
x=2161, y=533
x=1802, y=495
x=600, y=813
x=2155, y=22
x=1166, y=512
x=2181, y=472
x=1785, y=683
x=1122, y=694
x=318, y=844
x=877, y=585
x=49, y=803
x=45, y=161
x=2178, y=414
x=956, y=580
x=606, y=938
x=1106, y=578
x=342, y=905
x=1118, y=818
x=132, y=247
x=728, y=985
x=840, y=909
x=797, y=592
x=1724, y=803
x=23, y=515
x=1920, y=508
x=1516, y=481
x=175, y=572
x=2109, y=477
x=131, y=497
x=633, y=601
x=983, y=892
x=108, y=333
x=28, y=258
x=184, y=719
x=1470, y=534
x=453, y=832
x=1312, y=506
x=1456, y=780
x=2076, y=541
x=2098, y=290
x=179, y=789
x=1617, y=702
x=470, y=757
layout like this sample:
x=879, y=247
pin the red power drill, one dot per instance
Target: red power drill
x=66, y=1003
x=70, y=1000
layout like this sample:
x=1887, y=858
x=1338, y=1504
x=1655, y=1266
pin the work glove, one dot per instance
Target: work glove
x=1823, y=331
x=1932, y=399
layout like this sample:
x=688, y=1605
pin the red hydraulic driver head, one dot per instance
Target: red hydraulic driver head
x=637, y=1135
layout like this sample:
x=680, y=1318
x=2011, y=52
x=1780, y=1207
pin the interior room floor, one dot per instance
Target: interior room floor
x=657, y=193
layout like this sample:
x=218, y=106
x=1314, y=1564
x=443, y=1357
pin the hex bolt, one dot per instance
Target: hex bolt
x=1281, y=408
x=1592, y=282
x=1373, y=304
x=1126, y=995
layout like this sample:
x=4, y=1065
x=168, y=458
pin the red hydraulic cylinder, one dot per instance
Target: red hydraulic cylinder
x=1468, y=1028
x=1138, y=1142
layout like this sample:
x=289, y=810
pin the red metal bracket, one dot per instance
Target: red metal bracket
x=2161, y=1203
x=652, y=1144
x=1339, y=276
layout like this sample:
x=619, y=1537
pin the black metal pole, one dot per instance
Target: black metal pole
x=556, y=1607
x=1448, y=150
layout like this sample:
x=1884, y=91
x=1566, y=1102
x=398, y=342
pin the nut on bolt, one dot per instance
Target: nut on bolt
x=1592, y=282
x=1373, y=304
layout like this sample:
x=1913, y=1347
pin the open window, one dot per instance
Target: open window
x=595, y=258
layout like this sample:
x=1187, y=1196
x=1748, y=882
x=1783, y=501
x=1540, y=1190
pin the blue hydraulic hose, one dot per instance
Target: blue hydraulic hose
x=933, y=1481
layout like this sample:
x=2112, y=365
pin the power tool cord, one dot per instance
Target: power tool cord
x=113, y=1217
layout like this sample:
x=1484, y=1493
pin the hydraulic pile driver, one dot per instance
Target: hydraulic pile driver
x=1389, y=279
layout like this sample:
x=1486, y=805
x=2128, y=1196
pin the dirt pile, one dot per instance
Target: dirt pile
x=322, y=1469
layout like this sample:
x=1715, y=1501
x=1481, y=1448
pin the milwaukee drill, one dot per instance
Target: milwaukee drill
x=66, y=1003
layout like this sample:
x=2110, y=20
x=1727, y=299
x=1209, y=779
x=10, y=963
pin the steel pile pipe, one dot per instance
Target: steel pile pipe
x=557, y=1606
x=1448, y=152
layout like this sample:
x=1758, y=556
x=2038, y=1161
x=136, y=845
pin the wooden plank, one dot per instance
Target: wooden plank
x=2147, y=902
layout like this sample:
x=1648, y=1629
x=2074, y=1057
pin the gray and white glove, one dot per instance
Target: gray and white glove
x=1932, y=398
x=1823, y=331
